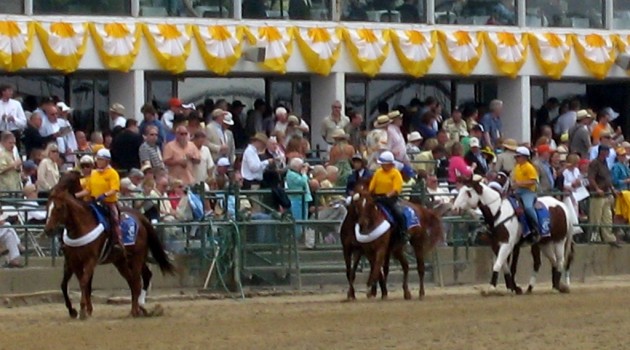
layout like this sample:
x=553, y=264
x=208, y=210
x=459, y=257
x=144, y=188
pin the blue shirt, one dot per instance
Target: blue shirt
x=492, y=125
x=620, y=172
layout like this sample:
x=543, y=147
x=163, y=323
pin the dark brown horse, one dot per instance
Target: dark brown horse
x=85, y=246
x=365, y=218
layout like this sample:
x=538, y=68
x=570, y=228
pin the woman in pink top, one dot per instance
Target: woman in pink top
x=457, y=166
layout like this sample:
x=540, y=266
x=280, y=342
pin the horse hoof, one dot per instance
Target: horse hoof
x=384, y=297
x=73, y=313
x=407, y=295
x=518, y=290
x=370, y=295
x=83, y=315
x=562, y=288
x=492, y=291
x=530, y=289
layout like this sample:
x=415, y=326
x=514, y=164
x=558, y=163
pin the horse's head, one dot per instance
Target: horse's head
x=470, y=195
x=69, y=182
x=57, y=210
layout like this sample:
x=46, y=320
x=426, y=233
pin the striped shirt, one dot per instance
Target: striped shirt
x=151, y=154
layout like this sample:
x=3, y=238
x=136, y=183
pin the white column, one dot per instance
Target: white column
x=324, y=91
x=238, y=9
x=515, y=94
x=521, y=13
x=128, y=89
x=608, y=14
x=28, y=7
x=135, y=8
x=430, y=11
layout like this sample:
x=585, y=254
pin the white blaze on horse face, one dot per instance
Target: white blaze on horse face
x=466, y=199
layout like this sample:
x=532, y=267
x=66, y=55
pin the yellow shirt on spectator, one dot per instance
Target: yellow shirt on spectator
x=102, y=181
x=384, y=182
x=526, y=172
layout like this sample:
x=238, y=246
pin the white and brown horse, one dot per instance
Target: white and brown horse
x=506, y=232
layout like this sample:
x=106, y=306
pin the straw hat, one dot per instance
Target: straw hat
x=394, y=114
x=583, y=114
x=117, y=108
x=260, y=137
x=510, y=144
x=339, y=134
x=293, y=119
x=620, y=151
x=414, y=136
x=382, y=121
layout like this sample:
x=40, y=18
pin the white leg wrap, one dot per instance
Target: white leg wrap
x=142, y=298
x=532, y=279
x=504, y=251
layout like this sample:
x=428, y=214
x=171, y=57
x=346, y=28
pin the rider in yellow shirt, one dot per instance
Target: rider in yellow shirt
x=525, y=178
x=103, y=185
x=386, y=185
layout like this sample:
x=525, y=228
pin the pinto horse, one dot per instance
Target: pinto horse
x=366, y=231
x=506, y=231
x=85, y=246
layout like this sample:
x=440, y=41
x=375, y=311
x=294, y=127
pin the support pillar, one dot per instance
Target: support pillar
x=516, y=97
x=128, y=90
x=324, y=91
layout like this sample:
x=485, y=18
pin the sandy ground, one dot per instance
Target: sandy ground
x=593, y=316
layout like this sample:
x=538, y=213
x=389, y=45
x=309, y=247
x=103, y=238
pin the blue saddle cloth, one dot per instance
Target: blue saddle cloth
x=411, y=219
x=128, y=225
x=544, y=218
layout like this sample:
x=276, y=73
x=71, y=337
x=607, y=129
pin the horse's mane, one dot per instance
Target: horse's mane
x=69, y=182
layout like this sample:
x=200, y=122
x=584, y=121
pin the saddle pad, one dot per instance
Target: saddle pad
x=411, y=219
x=100, y=215
x=129, y=229
x=544, y=219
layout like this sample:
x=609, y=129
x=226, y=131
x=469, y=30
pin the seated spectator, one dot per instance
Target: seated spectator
x=176, y=193
x=505, y=160
x=97, y=141
x=219, y=179
x=127, y=191
x=82, y=142
x=414, y=140
x=136, y=176
x=10, y=179
x=30, y=204
x=167, y=212
x=457, y=166
x=48, y=170
x=10, y=240
x=330, y=207
x=275, y=149
x=29, y=173
x=440, y=200
x=150, y=208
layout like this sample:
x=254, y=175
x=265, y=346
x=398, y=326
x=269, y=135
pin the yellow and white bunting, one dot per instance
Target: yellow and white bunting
x=462, y=50
x=415, y=50
x=368, y=48
x=220, y=46
x=596, y=52
x=623, y=45
x=278, y=44
x=320, y=47
x=552, y=52
x=508, y=51
x=16, y=44
x=63, y=44
x=170, y=44
x=117, y=44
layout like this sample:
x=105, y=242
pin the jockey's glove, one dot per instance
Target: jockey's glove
x=101, y=198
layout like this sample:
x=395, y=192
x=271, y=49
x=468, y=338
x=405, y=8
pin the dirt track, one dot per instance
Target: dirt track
x=588, y=318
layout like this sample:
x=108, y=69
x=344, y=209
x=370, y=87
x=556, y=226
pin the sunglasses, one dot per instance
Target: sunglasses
x=86, y=166
x=182, y=133
x=153, y=134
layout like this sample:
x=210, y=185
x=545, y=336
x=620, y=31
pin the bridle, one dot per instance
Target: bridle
x=492, y=222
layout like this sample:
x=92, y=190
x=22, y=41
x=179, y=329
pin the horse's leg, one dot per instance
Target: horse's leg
x=347, y=257
x=382, y=281
x=400, y=256
x=504, y=252
x=511, y=276
x=146, y=283
x=548, y=251
x=89, y=296
x=559, y=250
x=537, y=263
x=377, y=266
x=353, y=274
x=132, y=276
x=417, y=242
x=85, y=278
x=67, y=275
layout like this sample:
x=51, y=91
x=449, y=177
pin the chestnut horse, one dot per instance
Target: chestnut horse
x=506, y=232
x=366, y=231
x=85, y=246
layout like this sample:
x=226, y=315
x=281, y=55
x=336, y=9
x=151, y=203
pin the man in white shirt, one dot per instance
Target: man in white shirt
x=336, y=120
x=252, y=168
x=68, y=142
x=168, y=118
x=12, y=116
x=204, y=168
x=218, y=136
x=117, y=116
x=567, y=119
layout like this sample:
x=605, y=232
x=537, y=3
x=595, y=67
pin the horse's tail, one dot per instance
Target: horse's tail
x=434, y=226
x=156, y=248
x=571, y=220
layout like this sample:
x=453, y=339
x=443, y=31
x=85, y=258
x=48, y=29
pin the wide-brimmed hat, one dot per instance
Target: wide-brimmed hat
x=510, y=144
x=414, y=136
x=228, y=120
x=259, y=136
x=338, y=134
x=146, y=166
x=386, y=157
x=394, y=114
x=583, y=114
x=382, y=121
x=117, y=108
x=620, y=151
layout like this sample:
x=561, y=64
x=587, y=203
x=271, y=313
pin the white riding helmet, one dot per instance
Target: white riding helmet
x=103, y=153
x=386, y=157
x=523, y=151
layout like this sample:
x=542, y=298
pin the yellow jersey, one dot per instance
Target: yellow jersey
x=384, y=182
x=101, y=181
x=524, y=172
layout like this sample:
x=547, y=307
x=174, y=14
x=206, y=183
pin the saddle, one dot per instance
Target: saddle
x=411, y=220
x=128, y=225
x=542, y=212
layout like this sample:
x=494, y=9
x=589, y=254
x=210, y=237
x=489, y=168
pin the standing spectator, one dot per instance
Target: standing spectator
x=48, y=170
x=455, y=126
x=67, y=143
x=240, y=136
x=573, y=181
x=9, y=164
x=300, y=9
x=168, y=117
x=376, y=140
x=255, y=118
x=471, y=115
x=567, y=119
x=206, y=164
x=297, y=180
x=475, y=156
x=547, y=133
x=217, y=137
x=252, y=167
x=12, y=117
x=340, y=155
x=281, y=120
x=430, y=104
x=180, y=155
x=150, y=118
x=620, y=171
x=359, y=172
x=125, y=148
x=117, y=119
x=600, y=182
x=336, y=120
x=395, y=138
x=579, y=136
x=492, y=125
x=546, y=178
x=603, y=125
x=31, y=136
x=149, y=152
x=605, y=138
x=505, y=160
x=457, y=167
x=543, y=115
x=354, y=129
